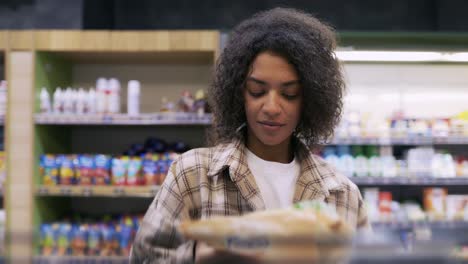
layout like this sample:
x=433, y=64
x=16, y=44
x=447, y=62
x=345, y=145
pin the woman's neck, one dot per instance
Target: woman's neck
x=278, y=153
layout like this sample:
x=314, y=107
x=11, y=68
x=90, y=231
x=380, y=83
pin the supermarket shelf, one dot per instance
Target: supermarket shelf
x=123, y=119
x=98, y=191
x=417, y=140
x=81, y=259
x=367, y=258
x=455, y=225
x=410, y=181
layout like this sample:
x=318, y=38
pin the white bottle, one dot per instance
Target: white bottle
x=114, y=96
x=101, y=96
x=389, y=166
x=133, y=98
x=81, y=103
x=74, y=97
x=347, y=165
x=361, y=166
x=44, y=97
x=68, y=101
x=58, y=101
x=91, y=101
x=3, y=98
x=375, y=166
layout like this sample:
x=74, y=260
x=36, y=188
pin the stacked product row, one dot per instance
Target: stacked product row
x=141, y=164
x=437, y=204
x=106, y=99
x=108, y=237
x=362, y=161
x=357, y=125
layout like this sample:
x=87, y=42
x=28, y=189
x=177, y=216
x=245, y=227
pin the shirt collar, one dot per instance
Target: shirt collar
x=316, y=175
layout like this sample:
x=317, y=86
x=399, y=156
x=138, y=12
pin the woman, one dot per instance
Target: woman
x=276, y=94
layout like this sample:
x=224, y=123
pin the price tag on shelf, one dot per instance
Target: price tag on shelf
x=119, y=191
x=43, y=191
x=427, y=180
x=65, y=191
x=87, y=191
x=107, y=119
x=386, y=180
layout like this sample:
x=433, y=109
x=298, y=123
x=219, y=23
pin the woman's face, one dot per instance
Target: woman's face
x=273, y=99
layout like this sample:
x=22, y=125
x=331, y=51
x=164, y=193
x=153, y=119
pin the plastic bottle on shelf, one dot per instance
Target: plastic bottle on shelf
x=449, y=165
x=330, y=156
x=389, y=166
x=113, y=96
x=74, y=98
x=360, y=162
x=133, y=98
x=81, y=104
x=374, y=162
x=44, y=97
x=58, y=101
x=346, y=164
x=68, y=101
x=91, y=101
x=463, y=169
x=101, y=96
x=375, y=166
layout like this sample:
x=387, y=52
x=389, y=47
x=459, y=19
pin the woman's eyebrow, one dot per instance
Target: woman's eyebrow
x=290, y=83
x=256, y=80
x=285, y=84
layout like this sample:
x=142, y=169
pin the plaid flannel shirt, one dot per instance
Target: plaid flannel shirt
x=215, y=181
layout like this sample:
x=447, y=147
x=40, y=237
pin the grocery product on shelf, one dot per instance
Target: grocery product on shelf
x=58, y=101
x=200, y=106
x=97, y=169
x=385, y=205
x=133, y=98
x=437, y=203
x=186, y=101
x=104, y=238
x=45, y=105
x=101, y=95
x=456, y=207
x=103, y=105
x=113, y=96
x=141, y=164
x=104, y=100
x=364, y=125
x=365, y=161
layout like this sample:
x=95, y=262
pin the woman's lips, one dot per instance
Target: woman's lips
x=270, y=126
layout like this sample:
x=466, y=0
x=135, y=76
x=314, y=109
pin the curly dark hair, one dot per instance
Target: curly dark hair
x=305, y=42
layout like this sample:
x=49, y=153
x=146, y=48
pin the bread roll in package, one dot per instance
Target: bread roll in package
x=308, y=231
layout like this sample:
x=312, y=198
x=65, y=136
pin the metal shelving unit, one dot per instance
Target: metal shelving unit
x=123, y=119
x=409, y=181
x=81, y=259
x=97, y=191
x=412, y=140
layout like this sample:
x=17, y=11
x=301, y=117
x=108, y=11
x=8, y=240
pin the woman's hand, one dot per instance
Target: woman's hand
x=205, y=254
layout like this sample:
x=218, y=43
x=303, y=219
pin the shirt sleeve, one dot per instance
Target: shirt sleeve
x=158, y=240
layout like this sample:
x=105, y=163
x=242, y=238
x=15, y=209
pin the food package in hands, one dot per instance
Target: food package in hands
x=307, y=231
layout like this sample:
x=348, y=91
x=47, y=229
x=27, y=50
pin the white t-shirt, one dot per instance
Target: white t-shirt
x=275, y=180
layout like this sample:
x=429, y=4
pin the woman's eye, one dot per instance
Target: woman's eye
x=290, y=96
x=256, y=94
